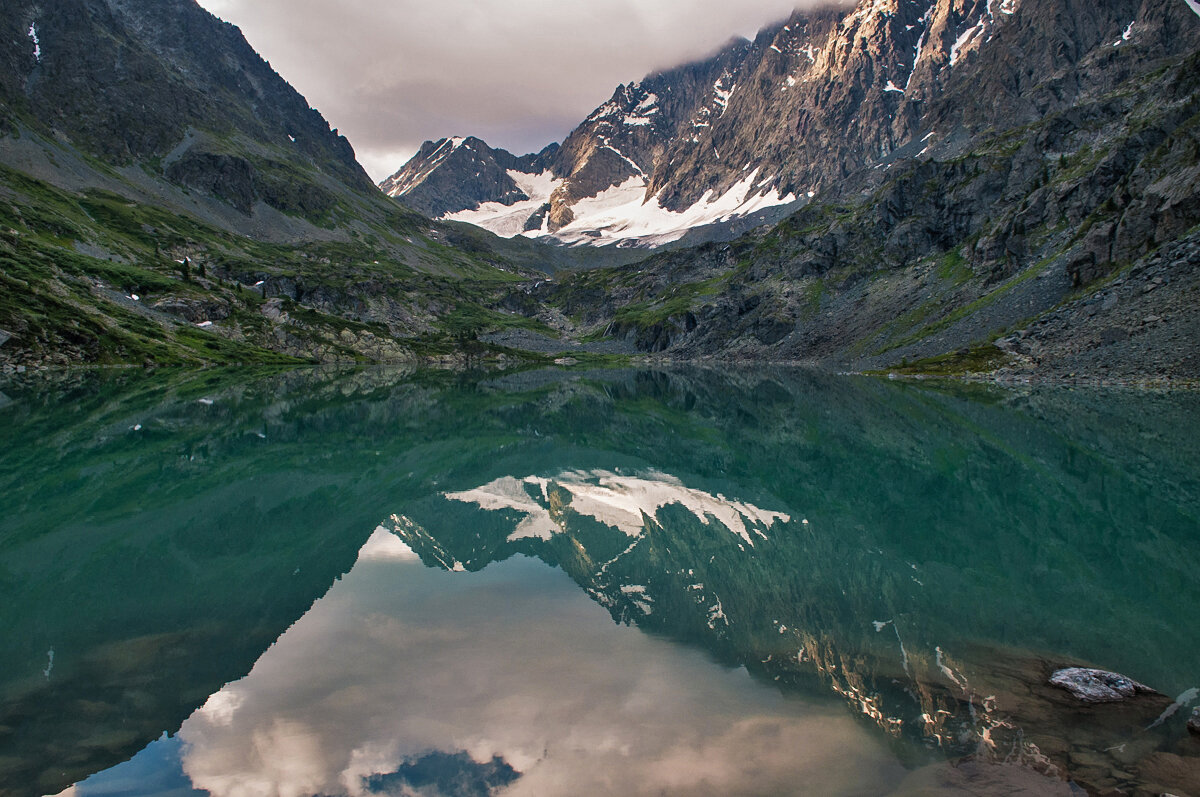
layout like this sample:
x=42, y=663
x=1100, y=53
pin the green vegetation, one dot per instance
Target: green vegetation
x=814, y=291
x=968, y=309
x=953, y=268
x=964, y=362
x=471, y=320
x=71, y=265
x=678, y=301
x=675, y=300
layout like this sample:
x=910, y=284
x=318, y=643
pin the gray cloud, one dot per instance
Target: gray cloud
x=518, y=74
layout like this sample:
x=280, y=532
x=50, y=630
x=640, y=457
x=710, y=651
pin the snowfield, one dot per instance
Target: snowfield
x=622, y=214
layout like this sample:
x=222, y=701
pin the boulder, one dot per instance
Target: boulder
x=1098, y=686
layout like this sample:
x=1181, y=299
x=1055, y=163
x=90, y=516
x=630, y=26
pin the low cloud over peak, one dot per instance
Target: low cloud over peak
x=519, y=74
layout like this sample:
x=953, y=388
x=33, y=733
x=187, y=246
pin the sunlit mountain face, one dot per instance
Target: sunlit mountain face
x=681, y=582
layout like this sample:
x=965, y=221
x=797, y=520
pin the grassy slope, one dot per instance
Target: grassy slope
x=71, y=261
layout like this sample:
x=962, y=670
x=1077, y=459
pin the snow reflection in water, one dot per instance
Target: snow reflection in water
x=623, y=502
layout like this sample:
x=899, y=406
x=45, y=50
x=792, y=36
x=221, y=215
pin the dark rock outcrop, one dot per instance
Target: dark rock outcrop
x=227, y=177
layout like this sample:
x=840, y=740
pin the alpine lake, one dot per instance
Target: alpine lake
x=688, y=581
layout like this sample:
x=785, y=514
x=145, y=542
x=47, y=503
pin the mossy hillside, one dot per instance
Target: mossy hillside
x=675, y=301
x=977, y=360
x=74, y=262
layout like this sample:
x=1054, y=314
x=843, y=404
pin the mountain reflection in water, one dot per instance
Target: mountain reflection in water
x=512, y=664
x=793, y=543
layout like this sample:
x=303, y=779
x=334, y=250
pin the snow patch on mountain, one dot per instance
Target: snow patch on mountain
x=965, y=40
x=37, y=44
x=632, y=164
x=1194, y=5
x=647, y=108
x=535, y=186
x=875, y=8
x=603, y=112
x=622, y=213
x=926, y=20
x=508, y=221
x=981, y=32
x=1126, y=36
x=723, y=94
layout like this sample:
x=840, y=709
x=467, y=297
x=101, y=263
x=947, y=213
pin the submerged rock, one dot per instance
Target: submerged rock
x=1098, y=686
x=1194, y=722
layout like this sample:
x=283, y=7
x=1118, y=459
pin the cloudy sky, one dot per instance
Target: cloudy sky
x=517, y=73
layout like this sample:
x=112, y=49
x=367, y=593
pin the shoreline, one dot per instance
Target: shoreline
x=647, y=362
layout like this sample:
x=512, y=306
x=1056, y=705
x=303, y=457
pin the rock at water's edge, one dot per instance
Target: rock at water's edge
x=1098, y=686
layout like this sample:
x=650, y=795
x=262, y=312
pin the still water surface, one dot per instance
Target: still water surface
x=642, y=582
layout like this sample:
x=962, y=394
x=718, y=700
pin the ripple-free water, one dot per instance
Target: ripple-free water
x=635, y=582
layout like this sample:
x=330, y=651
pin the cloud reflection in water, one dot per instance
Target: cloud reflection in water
x=399, y=661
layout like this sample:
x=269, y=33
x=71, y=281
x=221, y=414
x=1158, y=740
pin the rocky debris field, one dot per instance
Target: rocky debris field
x=1141, y=324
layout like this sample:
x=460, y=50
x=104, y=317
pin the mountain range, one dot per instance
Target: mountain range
x=1001, y=188
x=937, y=186
x=594, y=188
x=774, y=122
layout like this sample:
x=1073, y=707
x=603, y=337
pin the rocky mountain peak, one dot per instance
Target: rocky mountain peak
x=825, y=94
x=452, y=174
x=837, y=91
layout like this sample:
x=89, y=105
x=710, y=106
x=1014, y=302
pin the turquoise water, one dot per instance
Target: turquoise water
x=686, y=581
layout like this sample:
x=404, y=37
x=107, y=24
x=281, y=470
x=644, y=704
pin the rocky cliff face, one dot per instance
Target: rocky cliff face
x=850, y=89
x=593, y=189
x=810, y=103
x=169, y=88
x=1006, y=186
